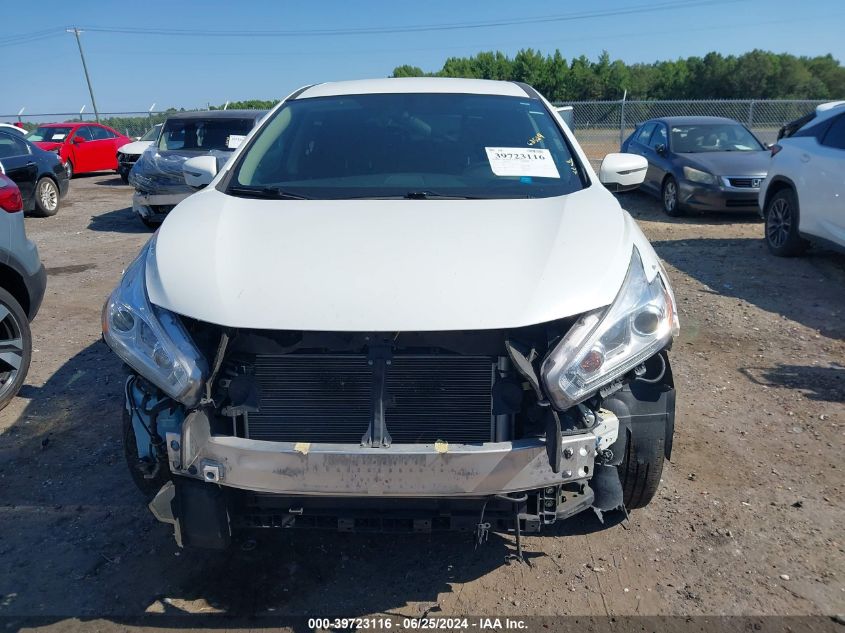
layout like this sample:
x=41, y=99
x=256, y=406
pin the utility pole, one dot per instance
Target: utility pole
x=76, y=32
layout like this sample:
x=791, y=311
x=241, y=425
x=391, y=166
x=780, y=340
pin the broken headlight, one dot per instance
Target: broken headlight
x=151, y=340
x=607, y=343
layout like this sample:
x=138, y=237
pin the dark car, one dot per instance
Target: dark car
x=157, y=174
x=703, y=163
x=39, y=174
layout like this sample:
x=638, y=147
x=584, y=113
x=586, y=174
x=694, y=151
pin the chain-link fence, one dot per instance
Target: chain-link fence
x=601, y=126
x=131, y=124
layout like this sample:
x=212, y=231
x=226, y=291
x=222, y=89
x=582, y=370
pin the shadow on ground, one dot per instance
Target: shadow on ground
x=823, y=384
x=117, y=181
x=645, y=207
x=77, y=541
x=743, y=268
x=119, y=221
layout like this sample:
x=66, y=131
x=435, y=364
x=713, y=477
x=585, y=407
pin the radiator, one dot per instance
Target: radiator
x=327, y=398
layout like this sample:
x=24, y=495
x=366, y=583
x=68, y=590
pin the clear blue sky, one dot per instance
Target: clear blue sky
x=130, y=71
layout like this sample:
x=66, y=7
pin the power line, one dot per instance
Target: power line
x=419, y=28
x=27, y=38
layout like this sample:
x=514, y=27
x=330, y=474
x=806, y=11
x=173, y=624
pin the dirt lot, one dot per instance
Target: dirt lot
x=748, y=521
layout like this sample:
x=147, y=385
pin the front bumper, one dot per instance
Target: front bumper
x=719, y=197
x=126, y=161
x=402, y=470
x=155, y=207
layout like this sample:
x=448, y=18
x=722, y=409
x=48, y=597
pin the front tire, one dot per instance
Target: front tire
x=641, y=469
x=46, y=198
x=781, y=232
x=669, y=195
x=69, y=169
x=15, y=347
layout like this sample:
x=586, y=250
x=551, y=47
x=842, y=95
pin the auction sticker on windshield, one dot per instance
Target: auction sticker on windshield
x=233, y=141
x=521, y=161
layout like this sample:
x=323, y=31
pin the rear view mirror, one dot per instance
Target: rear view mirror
x=622, y=172
x=199, y=171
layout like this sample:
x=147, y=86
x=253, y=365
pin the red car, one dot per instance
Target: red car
x=82, y=147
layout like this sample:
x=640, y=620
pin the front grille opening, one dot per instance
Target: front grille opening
x=326, y=398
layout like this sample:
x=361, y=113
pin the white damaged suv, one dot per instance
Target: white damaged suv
x=403, y=304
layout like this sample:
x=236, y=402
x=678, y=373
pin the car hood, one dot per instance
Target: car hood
x=389, y=265
x=135, y=147
x=730, y=163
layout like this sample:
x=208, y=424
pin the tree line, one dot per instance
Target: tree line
x=754, y=75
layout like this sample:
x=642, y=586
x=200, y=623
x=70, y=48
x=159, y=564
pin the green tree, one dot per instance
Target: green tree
x=754, y=75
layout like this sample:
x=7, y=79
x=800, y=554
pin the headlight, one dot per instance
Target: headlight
x=607, y=343
x=696, y=175
x=150, y=339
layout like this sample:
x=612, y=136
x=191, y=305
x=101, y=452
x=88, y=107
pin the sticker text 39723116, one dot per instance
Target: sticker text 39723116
x=522, y=161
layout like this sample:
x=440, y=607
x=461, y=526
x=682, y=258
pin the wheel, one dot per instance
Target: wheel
x=15, y=347
x=641, y=468
x=69, y=169
x=782, y=235
x=46, y=197
x=671, y=204
x=138, y=466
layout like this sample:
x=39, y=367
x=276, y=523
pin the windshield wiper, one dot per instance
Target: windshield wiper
x=415, y=195
x=432, y=195
x=265, y=193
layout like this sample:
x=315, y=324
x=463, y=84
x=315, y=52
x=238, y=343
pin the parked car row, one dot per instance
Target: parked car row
x=712, y=163
x=417, y=366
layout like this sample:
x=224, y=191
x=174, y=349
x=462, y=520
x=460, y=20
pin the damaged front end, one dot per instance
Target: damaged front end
x=159, y=182
x=400, y=431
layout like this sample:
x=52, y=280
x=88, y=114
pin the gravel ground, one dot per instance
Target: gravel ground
x=748, y=520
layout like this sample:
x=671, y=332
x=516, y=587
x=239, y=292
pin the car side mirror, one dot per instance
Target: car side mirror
x=661, y=149
x=199, y=171
x=78, y=139
x=622, y=172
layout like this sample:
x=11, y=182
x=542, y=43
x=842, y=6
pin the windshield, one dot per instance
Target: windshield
x=203, y=135
x=152, y=134
x=50, y=134
x=409, y=145
x=713, y=137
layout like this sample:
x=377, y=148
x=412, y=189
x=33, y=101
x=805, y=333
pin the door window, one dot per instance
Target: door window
x=835, y=136
x=645, y=133
x=11, y=146
x=100, y=133
x=659, y=137
x=84, y=132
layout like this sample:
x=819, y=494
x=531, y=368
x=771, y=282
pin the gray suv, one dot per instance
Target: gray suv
x=22, y=284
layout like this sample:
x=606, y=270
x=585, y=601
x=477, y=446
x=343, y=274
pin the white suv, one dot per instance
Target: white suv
x=803, y=197
x=401, y=304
